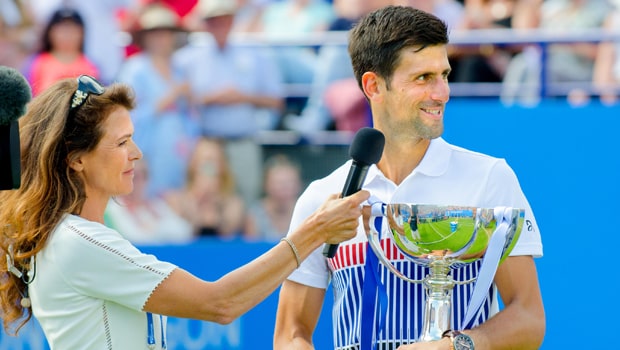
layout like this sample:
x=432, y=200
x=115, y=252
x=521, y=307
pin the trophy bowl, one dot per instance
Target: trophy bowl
x=442, y=237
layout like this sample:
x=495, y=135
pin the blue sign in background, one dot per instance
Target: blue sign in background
x=568, y=162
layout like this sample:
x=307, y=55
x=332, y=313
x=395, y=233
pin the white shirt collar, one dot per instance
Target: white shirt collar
x=436, y=159
x=434, y=163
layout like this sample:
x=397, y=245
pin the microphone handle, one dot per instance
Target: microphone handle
x=354, y=183
x=10, y=168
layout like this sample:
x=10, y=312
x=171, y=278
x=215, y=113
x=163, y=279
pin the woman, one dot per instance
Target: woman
x=209, y=200
x=269, y=218
x=89, y=287
x=62, y=52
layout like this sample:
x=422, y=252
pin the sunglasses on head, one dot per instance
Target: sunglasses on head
x=86, y=85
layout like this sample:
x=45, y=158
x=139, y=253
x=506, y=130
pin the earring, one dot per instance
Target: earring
x=25, y=302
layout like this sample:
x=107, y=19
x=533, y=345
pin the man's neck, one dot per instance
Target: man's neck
x=399, y=160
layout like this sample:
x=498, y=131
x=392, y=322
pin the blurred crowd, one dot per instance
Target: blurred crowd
x=201, y=103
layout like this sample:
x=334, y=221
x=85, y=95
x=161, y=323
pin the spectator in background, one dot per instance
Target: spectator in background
x=333, y=68
x=103, y=43
x=146, y=220
x=17, y=34
x=209, y=200
x=62, y=52
x=296, y=17
x=128, y=17
x=567, y=65
x=250, y=14
x=486, y=62
x=347, y=106
x=606, y=76
x=165, y=131
x=450, y=11
x=181, y=7
x=269, y=218
x=237, y=92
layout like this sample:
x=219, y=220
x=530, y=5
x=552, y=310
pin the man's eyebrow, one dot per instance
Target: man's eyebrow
x=430, y=72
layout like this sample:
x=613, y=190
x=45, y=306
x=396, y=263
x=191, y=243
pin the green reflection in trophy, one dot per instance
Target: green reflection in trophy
x=441, y=236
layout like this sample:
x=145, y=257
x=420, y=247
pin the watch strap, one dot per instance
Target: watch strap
x=453, y=334
x=450, y=334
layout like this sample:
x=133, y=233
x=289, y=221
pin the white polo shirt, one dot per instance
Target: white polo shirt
x=90, y=287
x=447, y=175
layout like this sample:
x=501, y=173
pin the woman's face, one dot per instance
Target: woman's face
x=283, y=183
x=207, y=166
x=108, y=170
x=66, y=36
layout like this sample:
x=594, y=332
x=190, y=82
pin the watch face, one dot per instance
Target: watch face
x=463, y=342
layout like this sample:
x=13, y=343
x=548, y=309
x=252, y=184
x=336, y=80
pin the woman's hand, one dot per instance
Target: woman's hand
x=337, y=218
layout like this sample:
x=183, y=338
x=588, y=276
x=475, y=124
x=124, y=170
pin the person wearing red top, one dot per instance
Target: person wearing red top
x=62, y=52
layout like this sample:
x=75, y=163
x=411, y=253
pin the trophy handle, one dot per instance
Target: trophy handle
x=377, y=212
x=505, y=219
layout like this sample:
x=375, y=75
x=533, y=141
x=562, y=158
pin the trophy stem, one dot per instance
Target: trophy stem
x=438, y=309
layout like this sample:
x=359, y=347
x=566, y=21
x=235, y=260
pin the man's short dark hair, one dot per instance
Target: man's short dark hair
x=377, y=39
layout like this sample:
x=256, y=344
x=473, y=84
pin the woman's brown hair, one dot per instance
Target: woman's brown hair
x=50, y=135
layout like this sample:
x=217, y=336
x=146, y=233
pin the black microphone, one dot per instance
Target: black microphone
x=365, y=150
x=15, y=94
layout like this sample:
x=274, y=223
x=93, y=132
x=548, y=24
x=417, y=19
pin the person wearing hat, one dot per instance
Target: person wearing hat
x=164, y=129
x=237, y=91
x=62, y=51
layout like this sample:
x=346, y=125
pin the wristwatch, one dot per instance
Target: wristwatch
x=459, y=341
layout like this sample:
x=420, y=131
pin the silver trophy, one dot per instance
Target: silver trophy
x=442, y=236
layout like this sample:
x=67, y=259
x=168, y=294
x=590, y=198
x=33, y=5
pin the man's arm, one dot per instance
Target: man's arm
x=298, y=312
x=521, y=324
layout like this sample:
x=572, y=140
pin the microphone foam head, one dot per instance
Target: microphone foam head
x=367, y=146
x=15, y=93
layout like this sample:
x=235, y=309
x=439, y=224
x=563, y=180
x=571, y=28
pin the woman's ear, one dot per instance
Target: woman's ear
x=76, y=164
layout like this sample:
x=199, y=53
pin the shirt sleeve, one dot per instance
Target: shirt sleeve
x=503, y=187
x=97, y=261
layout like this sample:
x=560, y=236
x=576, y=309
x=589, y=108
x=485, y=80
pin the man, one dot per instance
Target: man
x=238, y=91
x=399, y=56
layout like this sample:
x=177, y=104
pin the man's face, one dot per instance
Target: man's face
x=220, y=27
x=415, y=99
